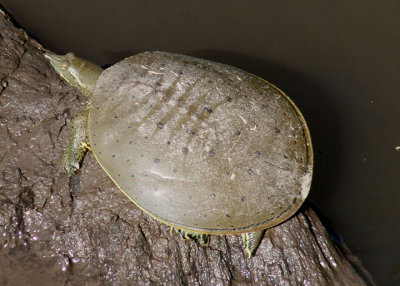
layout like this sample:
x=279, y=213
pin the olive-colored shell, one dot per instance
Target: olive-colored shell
x=200, y=145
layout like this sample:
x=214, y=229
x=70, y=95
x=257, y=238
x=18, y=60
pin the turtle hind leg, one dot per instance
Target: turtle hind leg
x=252, y=240
x=77, y=145
x=203, y=238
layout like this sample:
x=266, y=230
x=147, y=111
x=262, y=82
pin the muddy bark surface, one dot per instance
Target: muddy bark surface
x=81, y=230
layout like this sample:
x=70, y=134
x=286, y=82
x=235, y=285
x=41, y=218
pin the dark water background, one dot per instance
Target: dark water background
x=339, y=61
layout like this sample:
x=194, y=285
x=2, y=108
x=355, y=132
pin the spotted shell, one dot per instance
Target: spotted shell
x=200, y=145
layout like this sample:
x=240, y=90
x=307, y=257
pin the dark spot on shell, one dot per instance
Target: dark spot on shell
x=185, y=150
x=285, y=156
x=228, y=98
x=277, y=130
x=145, y=137
x=99, y=152
x=156, y=160
x=209, y=81
x=145, y=175
x=190, y=197
x=243, y=198
x=97, y=108
x=184, y=214
x=117, y=141
x=129, y=127
x=227, y=216
x=127, y=160
x=257, y=152
x=191, y=132
x=209, y=110
x=151, y=105
x=132, y=175
x=158, y=84
x=212, y=196
x=113, y=155
x=118, y=175
x=180, y=72
x=242, y=108
x=133, y=96
x=250, y=171
x=174, y=170
x=141, y=155
x=130, y=142
x=115, y=116
x=160, y=125
x=96, y=122
x=211, y=153
x=237, y=133
x=168, y=142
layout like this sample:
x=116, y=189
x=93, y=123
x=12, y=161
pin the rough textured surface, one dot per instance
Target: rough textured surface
x=57, y=230
x=200, y=145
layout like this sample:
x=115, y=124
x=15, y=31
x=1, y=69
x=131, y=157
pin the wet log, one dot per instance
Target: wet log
x=81, y=230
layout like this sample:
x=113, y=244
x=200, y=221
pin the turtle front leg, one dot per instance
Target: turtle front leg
x=77, y=146
x=203, y=238
x=252, y=240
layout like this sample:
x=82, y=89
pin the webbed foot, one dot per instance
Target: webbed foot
x=77, y=145
x=204, y=239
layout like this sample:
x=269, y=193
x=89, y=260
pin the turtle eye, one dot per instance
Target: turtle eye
x=64, y=64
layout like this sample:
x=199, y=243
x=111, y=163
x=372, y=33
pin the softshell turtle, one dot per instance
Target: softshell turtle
x=204, y=147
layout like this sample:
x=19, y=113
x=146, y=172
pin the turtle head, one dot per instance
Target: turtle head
x=78, y=72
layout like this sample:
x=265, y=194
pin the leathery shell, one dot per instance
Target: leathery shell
x=200, y=145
